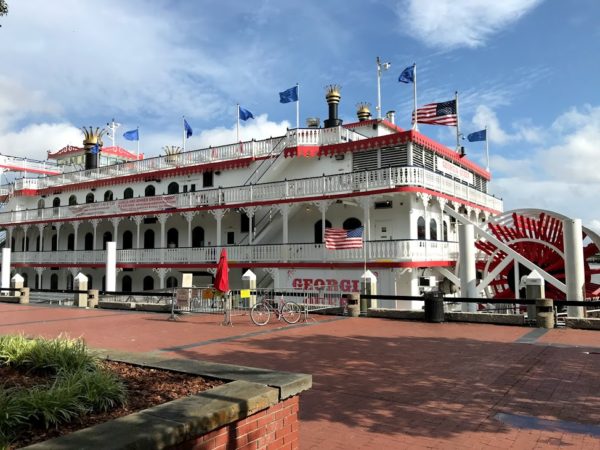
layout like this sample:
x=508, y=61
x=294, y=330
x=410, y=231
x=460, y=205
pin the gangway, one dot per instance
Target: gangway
x=18, y=164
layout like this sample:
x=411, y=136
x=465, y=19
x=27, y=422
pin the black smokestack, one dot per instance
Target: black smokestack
x=333, y=99
x=91, y=160
x=92, y=143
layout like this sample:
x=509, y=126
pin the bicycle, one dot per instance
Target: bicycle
x=260, y=313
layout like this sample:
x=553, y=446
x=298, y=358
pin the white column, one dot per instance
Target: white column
x=323, y=205
x=58, y=227
x=111, y=266
x=162, y=273
x=39, y=271
x=426, y=213
x=250, y=211
x=6, y=267
x=468, y=278
x=25, y=231
x=284, y=209
x=41, y=233
x=115, y=223
x=189, y=216
x=574, y=264
x=162, y=219
x=94, y=223
x=138, y=221
x=76, y=234
x=218, y=214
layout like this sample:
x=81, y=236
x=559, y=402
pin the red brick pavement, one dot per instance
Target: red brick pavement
x=378, y=384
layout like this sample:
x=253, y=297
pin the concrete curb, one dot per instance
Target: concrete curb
x=250, y=390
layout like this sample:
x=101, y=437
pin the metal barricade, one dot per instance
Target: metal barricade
x=310, y=301
x=206, y=300
x=51, y=297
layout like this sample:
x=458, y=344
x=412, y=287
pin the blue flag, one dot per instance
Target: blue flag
x=245, y=114
x=480, y=135
x=95, y=149
x=132, y=135
x=407, y=75
x=289, y=95
x=188, y=129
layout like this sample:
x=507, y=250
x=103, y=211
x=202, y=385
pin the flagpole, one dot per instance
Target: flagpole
x=487, y=149
x=183, y=136
x=415, y=123
x=238, y=123
x=298, y=106
x=138, y=143
x=457, y=122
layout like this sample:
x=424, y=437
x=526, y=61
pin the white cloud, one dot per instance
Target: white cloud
x=459, y=23
x=16, y=101
x=260, y=128
x=563, y=176
x=124, y=58
x=485, y=117
x=522, y=131
x=152, y=144
x=575, y=155
x=35, y=140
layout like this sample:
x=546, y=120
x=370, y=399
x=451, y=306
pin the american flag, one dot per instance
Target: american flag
x=339, y=239
x=438, y=113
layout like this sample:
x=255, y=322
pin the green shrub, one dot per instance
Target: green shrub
x=46, y=355
x=78, y=384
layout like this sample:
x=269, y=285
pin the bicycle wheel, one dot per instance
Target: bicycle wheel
x=260, y=314
x=291, y=312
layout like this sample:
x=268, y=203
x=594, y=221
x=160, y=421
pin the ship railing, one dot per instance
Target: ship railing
x=374, y=251
x=288, y=189
x=250, y=149
x=274, y=155
x=322, y=136
x=16, y=162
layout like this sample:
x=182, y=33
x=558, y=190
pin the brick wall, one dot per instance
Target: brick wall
x=271, y=429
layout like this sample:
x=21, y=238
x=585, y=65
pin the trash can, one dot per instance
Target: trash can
x=434, y=307
x=544, y=312
x=353, y=306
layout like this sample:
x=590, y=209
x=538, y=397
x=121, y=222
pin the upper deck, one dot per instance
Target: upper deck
x=210, y=156
x=431, y=166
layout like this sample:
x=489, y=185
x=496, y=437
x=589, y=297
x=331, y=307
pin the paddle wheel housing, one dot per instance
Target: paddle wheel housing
x=538, y=236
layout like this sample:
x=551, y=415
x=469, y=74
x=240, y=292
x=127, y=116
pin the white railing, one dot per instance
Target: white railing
x=389, y=251
x=290, y=189
x=60, y=257
x=29, y=165
x=228, y=152
x=322, y=136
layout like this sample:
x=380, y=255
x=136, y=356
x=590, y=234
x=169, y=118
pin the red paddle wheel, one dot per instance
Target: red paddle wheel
x=538, y=236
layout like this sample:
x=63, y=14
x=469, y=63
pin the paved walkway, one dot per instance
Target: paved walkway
x=382, y=384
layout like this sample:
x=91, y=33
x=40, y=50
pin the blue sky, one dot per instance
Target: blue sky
x=528, y=69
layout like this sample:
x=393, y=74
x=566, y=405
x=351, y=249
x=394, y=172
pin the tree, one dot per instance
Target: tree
x=3, y=8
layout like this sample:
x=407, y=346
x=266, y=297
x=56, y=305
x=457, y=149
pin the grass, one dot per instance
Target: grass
x=77, y=384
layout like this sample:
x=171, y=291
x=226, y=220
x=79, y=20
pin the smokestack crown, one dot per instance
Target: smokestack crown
x=363, y=111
